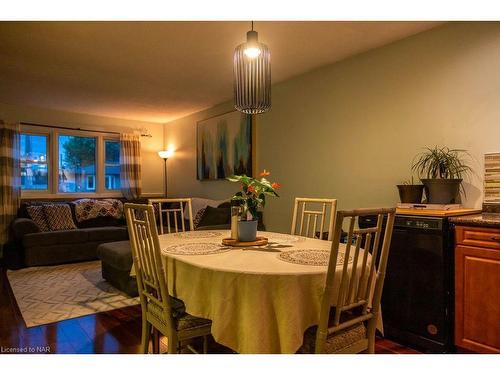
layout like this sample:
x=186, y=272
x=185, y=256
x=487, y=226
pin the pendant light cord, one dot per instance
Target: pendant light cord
x=252, y=25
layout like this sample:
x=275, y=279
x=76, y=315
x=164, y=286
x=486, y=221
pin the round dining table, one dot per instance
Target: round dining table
x=259, y=299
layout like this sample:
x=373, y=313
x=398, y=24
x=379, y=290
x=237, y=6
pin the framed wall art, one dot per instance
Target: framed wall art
x=225, y=146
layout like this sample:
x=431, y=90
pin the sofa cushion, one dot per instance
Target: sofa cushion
x=37, y=214
x=103, y=221
x=106, y=233
x=225, y=204
x=55, y=238
x=334, y=343
x=59, y=216
x=199, y=203
x=117, y=254
x=59, y=254
x=215, y=216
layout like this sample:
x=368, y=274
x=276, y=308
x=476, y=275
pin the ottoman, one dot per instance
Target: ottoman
x=116, y=259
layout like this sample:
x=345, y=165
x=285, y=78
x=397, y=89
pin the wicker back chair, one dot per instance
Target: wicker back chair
x=173, y=209
x=347, y=322
x=307, y=208
x=161, y=313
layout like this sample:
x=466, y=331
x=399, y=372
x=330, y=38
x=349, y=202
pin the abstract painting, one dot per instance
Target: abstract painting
x=224, y=146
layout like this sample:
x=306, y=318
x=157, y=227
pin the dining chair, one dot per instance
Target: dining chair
x=349, y=325
x=319, y=210
x=161, y=313
x=173, y=208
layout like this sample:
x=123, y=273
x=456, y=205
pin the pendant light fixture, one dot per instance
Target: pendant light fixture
x=252, y=76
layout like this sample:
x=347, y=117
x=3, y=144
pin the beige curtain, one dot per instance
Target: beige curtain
x=130, y=166
x=10, y=177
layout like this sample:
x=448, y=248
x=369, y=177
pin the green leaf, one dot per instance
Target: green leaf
x=233, y=178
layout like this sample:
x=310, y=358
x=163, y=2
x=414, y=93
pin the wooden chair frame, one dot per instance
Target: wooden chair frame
x=308, y=214
x=175, y=211
x=350, y=296
x=152, y=281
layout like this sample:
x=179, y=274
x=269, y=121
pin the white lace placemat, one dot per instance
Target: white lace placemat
x=310, y=257
x=284, y=238
x=195, y=249
x=196, y=235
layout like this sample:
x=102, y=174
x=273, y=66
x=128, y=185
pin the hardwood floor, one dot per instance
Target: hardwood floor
x=117, y=331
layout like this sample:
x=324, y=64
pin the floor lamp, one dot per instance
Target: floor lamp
x=165, y=155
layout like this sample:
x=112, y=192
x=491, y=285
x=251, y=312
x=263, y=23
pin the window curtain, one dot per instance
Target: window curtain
x=10, y=177
x=130, y=166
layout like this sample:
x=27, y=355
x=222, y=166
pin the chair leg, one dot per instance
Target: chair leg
x=320, y=342
x=370, y=331
x=145, y=336
x=156, y=341
x=205, y=344
x=173, y=345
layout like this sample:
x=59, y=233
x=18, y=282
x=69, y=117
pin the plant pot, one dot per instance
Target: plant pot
x=410, y=193
x=247, y=230
x=442, y=191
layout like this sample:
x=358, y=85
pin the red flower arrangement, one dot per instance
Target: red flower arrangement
x=253, y=193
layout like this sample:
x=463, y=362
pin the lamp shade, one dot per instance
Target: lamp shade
x=252, y=76
x=166, y=154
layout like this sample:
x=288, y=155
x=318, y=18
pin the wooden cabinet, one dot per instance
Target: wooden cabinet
x=477, y=289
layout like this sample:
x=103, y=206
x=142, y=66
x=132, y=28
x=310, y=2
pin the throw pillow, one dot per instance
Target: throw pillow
x=37, y=214
x=59, y=216
x=198, y=217
x=87, y=209
x=215, y=216
x=198, y=203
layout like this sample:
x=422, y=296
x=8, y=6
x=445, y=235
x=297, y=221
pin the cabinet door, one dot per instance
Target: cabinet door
x=477, y=299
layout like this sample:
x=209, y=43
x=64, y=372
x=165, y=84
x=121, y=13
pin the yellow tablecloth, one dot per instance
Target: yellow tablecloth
x=257, y=302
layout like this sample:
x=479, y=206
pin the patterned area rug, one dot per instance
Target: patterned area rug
x=54, y=293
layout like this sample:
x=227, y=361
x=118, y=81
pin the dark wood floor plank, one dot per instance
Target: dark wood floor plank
x=116, y=331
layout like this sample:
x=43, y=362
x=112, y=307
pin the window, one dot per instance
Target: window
x=112, y=165
x=90, y=183
x=77, y=162
x=34, y=165
x=109, y=183
x=56, y=161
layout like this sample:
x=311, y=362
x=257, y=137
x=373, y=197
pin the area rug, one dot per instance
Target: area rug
x=54, y=293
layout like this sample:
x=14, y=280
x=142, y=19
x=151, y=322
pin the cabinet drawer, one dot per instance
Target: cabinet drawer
x=476, y=236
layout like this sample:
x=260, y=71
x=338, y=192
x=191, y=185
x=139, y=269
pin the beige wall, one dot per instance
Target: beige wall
x=152, y=165
x=350, y=130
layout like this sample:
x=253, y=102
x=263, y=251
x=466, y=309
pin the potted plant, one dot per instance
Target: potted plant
x=410, y=192
x=444, y=170
x=250, y=198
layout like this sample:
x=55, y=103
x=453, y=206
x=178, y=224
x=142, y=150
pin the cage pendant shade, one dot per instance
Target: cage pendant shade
x=252, y=76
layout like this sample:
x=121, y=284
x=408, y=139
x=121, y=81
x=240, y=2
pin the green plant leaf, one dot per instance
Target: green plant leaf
x=233, y=178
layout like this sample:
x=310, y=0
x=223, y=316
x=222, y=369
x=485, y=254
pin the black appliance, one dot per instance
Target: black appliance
x=417, y=300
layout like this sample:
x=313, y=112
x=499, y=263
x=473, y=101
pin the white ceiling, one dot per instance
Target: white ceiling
x=160, y=71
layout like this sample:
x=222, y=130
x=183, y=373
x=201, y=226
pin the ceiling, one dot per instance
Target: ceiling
x=160, y=71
